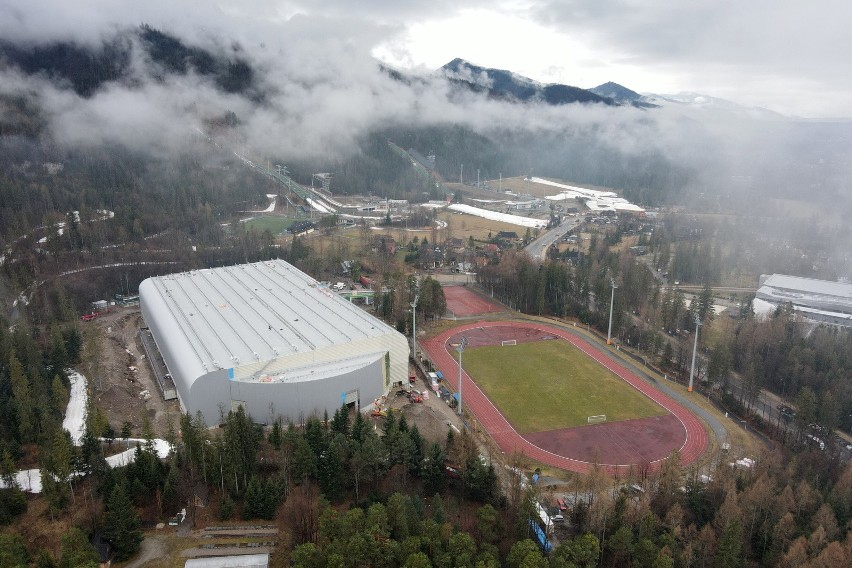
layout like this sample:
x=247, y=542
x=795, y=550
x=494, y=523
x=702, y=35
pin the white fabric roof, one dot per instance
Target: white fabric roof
x=809, y=285
x=823, y=296
x=236, y=315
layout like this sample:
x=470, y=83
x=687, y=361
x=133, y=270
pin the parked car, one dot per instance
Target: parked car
x=561, y=504
x=786, y=411
x=816, y=441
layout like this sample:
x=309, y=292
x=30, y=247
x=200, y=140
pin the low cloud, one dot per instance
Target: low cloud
x=322, y=92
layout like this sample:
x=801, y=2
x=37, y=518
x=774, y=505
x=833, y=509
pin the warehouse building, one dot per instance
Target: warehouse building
x=821, y=301
x=270, y=338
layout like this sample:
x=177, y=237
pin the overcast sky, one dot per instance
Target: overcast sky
x=792, y=57
x=788, y=56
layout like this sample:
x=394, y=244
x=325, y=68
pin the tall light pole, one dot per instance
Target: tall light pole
x=694, y=349
x=414, y=327
x=611, y=304
x=460, y=348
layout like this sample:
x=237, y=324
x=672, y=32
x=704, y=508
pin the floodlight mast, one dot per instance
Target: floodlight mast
x=694, y=349
x=414, y=327
x=611, y=304
x=460, y=348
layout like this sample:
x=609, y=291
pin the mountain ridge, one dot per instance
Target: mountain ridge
x=508, y=85
x=87, y=69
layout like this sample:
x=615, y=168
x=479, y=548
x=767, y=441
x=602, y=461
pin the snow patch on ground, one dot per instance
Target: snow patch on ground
x=75, y=414
x=75, y=423
x=127, y=456
x=595, y=200
x=497, y=216
x=762, y=307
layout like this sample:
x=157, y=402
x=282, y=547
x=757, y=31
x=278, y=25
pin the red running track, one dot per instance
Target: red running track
x=441, y=353
x=462, y=301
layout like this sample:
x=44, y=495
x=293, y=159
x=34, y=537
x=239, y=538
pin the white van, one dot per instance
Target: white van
x=339, y=287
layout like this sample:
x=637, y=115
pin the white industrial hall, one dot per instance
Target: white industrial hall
x=268, y=337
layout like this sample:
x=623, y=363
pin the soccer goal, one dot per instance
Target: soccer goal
x=506, y=342
x=597, y=419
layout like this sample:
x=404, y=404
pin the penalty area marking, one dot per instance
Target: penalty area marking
x=597, y=419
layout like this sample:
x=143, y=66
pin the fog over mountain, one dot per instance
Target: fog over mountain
x=308, y=87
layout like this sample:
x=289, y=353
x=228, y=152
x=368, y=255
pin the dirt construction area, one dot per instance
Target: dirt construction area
x=432, y=416
x=121, y=380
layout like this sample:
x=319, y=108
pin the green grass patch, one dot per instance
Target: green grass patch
x=548, y=385
x=275, y=225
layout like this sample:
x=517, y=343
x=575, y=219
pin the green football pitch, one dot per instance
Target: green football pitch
x=547, y=385
x=275, y=224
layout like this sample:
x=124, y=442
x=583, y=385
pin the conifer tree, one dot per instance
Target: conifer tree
x=121, y=524
x=252, y=503
x=360, y=428
x=56, y=469
x=304, y=461
x=276, y=437
x=13, y=551
x=226, y=508
x=58, y=395
x=438, y=514
x=330, y=470
x=23, y=400
x=76, y=551
x=340, y=421
x=434, y=478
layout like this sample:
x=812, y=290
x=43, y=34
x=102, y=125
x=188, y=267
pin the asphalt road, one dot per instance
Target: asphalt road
x=538, y=247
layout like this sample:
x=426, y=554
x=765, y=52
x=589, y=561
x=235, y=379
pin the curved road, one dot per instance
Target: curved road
x=510, y=440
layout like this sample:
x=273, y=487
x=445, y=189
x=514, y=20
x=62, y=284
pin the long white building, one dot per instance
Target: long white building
x=270, y=338
x=817, y=300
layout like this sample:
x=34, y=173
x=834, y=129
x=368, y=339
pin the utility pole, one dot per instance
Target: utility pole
x=461, y=175
x=611, y=304
x=460, y=348
x=694, y=349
